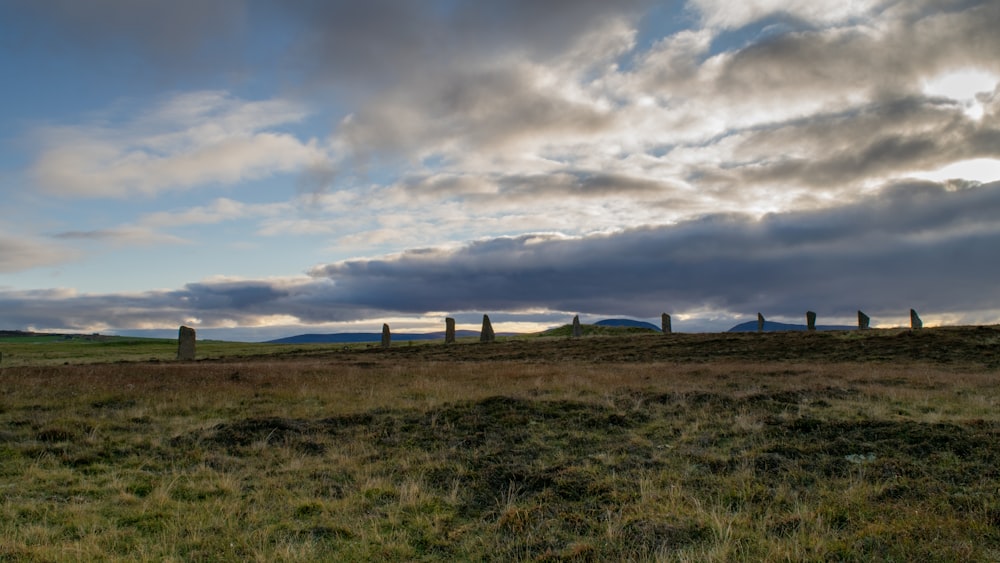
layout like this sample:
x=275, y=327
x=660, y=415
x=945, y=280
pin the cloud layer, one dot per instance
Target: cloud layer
x=189, y=140
x=922, y=245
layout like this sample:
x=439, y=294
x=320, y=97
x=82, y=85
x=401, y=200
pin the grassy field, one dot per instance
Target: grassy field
x=846, y=446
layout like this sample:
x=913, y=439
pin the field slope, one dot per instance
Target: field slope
x=785, y=446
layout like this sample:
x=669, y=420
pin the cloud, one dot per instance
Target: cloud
x=923, y=245
x=898, y=251
x=126, y=235
x=213, y=303
x=20, y=253
x=179, y=36
x=464, y=114
x=847, y=149
x=188, y=140
x=379, y=42
x=804, y=115
x=697, y=97
x=729, y=15
x=889, y=56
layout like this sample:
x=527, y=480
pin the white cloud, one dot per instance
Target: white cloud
x=186, y=141
x=961, y=84
x=976, y=170
x=217, y=211
x=726, y=14
x=971, y=87
x=19, y=253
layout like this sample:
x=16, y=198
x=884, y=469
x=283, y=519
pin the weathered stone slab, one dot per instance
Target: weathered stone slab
x=915, y=322
x=487, y=334
x=810, y=320
x=665, y=324
x=760, y=322
x=186, y=337
x=386, y=336
x=449, y=330
x=864, y=323
x=577, y=329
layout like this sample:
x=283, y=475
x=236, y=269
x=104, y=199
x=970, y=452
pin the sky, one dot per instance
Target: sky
x=257, y=169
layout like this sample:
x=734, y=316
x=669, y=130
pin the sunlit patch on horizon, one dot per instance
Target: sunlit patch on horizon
x=983, y=170
x=962, y=86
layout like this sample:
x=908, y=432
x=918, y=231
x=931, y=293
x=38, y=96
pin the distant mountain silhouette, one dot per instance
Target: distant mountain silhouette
x=628, y=323
x=357, y=337
x=771, y=326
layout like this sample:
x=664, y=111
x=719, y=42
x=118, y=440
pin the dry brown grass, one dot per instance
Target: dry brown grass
x=566, y=451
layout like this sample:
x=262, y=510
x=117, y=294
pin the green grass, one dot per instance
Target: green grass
x=57, y=350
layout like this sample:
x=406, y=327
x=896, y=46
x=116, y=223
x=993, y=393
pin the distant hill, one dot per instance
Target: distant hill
x=356, y=337
x=627, y=323
x=771, y=326
x=24, y=336
x=606, y=327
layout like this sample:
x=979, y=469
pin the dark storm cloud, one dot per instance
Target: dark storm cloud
x=579, y=183
x=208, y=304
x=835, y=60
x=921, y=245
x=377, y=41
x=839, y=150
x=537, y=187
x=450, y=77
x=905, y=248
x=176, y=34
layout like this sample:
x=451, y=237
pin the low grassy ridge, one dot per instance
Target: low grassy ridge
x=643, y=448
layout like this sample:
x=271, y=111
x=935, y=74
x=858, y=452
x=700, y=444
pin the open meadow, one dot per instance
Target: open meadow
x=877, y=445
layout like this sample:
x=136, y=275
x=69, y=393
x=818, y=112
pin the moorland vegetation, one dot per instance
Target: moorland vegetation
x=876, y=445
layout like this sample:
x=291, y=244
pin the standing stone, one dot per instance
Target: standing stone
x=577, y=330
x=185, y=343
x=915, y=322
x=810, y=320
x=487, y=334
x=760, y=322
x=863, y=321
x=386, y=336
x=665, y=324
x=449, y=330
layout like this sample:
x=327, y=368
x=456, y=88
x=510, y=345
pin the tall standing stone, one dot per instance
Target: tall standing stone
x=760, y=322
x=185, y=343
x=863, y=321
x=665, y=324
x=449, y=330
x=915, y=322
x=810, y=320
x=487, y=334
x=577, y=329
x=386, y=336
